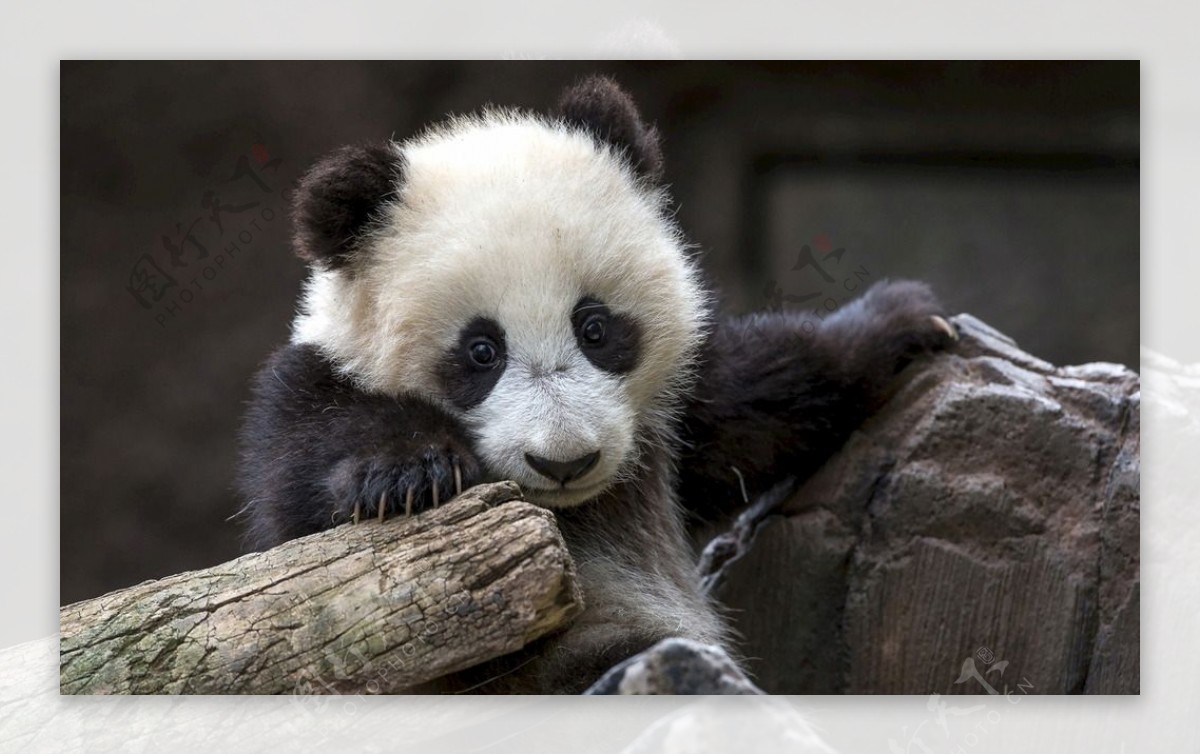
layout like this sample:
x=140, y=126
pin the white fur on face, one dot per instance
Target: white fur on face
x=559, y=412
x=516, y=219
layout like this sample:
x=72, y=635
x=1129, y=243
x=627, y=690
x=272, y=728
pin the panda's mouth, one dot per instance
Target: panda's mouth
x=563, y=497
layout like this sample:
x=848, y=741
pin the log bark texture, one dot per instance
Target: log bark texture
x=373, y=607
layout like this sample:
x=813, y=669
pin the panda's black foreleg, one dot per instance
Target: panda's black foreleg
x=779, y=392
x=318, y=452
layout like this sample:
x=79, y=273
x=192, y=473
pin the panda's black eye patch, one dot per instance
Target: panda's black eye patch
x=608, y=340
x=471, y=368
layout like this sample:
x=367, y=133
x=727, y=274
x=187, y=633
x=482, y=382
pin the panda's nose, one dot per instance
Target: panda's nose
x=563, y=472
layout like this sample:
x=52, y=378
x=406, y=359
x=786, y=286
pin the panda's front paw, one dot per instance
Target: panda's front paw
x=380, y=484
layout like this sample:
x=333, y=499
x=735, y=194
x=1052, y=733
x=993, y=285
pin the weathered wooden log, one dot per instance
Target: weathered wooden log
x=372, y=607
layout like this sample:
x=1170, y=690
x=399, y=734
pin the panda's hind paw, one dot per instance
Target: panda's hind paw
x=944, y=325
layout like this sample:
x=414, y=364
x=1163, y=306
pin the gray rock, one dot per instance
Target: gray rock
x=676, y=666
x=984, y=524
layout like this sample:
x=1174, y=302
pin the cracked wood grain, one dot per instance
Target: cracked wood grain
x=374, y=607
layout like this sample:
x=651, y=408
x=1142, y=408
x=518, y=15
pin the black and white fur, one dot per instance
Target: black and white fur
x=506, y=296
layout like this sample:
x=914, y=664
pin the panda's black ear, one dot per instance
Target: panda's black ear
x=602, y=108
x=340, y=197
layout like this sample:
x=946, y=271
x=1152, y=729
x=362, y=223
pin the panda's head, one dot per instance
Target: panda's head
x=522, y=272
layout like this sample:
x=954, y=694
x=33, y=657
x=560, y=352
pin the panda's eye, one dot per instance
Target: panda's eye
x=607, y=339
x=483, y=352
x=594, y=330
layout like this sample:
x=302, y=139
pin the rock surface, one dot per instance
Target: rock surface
x=980, y=532
x=676, y=666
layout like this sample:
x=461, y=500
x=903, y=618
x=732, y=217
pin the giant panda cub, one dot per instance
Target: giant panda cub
x=507, y=297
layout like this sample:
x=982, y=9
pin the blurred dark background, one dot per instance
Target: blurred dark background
x=1011, y=187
